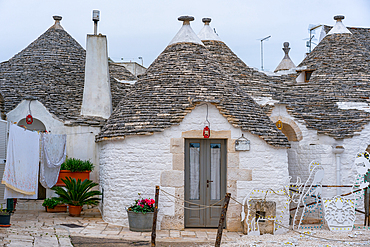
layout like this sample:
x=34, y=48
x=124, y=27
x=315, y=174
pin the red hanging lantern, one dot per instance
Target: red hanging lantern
x=206, y=132
x=29, y=119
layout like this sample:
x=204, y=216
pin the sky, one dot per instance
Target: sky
x=143, y=28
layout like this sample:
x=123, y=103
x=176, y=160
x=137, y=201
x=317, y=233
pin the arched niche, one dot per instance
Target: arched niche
x=290, y=128
x=36, y=125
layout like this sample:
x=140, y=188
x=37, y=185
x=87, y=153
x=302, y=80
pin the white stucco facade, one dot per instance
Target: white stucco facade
x=138, y=163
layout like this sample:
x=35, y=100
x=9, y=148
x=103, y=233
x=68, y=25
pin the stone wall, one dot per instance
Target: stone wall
x=139, y=163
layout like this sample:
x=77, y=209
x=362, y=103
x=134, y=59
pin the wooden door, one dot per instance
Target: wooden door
x=205, y=181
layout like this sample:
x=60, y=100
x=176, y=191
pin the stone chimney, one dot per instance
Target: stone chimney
x=97, y=98
x=339, y=27
x=207, y=33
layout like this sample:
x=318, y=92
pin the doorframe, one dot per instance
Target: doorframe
x=177, y=149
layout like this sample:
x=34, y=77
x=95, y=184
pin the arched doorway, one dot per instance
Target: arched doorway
x=291, y=130
x=36, y=125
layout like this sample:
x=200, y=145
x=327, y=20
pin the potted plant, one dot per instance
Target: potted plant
x=140, y=215
x=53, y=205
x=4, y=217
x=75, y=168
x=76, y=194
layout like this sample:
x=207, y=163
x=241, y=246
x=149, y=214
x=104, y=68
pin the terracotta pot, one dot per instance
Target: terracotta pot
x=62, y=208
x=75, y=211
x=67, y=173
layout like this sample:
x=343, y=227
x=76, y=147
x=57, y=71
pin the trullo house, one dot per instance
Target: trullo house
x=47, y=79
x=155, y=136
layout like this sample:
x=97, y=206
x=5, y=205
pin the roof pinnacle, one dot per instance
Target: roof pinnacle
x=186, y=33
x=286, y=49
x=206, y=21
x=186, y=19
x=339, y=17
x=207, y=33
x=339, y=27
x=57, y=25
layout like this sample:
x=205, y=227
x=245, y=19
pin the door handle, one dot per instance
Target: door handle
x=208, y=181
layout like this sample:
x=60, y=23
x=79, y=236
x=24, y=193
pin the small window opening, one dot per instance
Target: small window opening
x=307, y=75
x=261, y=215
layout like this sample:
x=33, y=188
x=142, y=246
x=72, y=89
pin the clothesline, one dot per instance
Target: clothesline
x=49, y=132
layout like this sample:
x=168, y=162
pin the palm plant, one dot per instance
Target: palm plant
x=78, y=193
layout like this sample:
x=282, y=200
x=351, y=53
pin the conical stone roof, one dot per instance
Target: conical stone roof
x=51, y=69
x=184, y=75
x=340, y=77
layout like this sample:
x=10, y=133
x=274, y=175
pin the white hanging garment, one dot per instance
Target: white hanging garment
x=53, y=154
x=22, y=163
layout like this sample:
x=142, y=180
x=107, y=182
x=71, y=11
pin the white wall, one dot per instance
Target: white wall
x=137, y=163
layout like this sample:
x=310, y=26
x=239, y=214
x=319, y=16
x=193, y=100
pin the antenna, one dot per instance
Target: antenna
x=266, y=38
x=311, y=28
x=142, y=60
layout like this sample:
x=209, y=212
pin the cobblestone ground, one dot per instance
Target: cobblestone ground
x=32, y=226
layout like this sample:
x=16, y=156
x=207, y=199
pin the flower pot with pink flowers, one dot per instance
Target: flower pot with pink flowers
x=140, y=215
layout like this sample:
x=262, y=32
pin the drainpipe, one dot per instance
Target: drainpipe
x=338, y=150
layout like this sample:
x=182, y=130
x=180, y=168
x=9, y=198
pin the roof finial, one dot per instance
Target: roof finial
x=186, y=19
x=339, y=27
x=207, y=33
x=186, y=33
x=286, y=63
x=206, y=21
x=57, y=25
x=286, y=49
x=339, y=17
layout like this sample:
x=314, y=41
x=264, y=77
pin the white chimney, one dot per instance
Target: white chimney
x=97, y=98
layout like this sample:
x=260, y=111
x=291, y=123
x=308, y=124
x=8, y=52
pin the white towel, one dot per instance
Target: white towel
x=22, y=161
x=53, y=154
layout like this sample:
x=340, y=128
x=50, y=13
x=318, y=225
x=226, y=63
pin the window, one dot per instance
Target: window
x=307, y=75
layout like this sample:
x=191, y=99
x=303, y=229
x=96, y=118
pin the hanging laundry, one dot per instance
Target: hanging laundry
x=53, y=154
x=22, y=163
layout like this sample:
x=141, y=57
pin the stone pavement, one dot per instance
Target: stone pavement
x=32, y=226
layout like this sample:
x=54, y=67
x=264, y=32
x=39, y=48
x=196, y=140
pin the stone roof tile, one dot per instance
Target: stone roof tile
x=52, y=69
x=340, y=65
x=183, y=76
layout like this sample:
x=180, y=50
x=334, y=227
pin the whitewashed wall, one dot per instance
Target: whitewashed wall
x=80, y=139
x=139, y=163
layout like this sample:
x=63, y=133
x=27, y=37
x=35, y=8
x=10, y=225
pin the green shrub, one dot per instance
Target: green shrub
x=77, y=165
x=78, y=193
x=51, y=202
